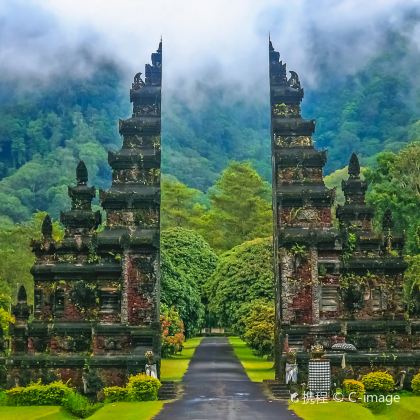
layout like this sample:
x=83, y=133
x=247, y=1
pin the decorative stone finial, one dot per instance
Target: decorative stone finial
x=21, y=310
x=47, y=227
x=387, y=222
x=21, y=296
x=81, y=173
x=354, y=166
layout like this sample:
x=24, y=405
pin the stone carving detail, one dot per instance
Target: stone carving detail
x=285, y=111
x=292, y=141
x=153, y=109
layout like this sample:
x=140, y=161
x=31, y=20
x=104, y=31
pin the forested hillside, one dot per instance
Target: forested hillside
x=45, y=129
x=376, y=109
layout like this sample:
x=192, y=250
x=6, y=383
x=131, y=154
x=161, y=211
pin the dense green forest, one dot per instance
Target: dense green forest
x=45, y=129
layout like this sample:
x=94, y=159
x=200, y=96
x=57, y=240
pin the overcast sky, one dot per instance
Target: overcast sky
x=202, y=39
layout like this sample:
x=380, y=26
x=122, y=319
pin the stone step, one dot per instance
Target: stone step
x=168, y=390
x=277, y=389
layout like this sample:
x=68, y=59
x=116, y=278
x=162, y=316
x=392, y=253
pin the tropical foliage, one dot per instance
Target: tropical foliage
x=395, y=184
x=240, y=207
x=244, y=274
x=187, y=261
x=172, y=331
x=259, y=328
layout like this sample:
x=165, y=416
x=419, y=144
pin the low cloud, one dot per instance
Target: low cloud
x=210, y=42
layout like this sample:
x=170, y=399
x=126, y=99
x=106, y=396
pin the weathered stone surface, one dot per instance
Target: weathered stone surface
x=96, y=293
x=324, y=274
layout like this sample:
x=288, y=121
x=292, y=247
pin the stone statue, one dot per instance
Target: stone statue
x=294, y=80
x=138, y=81
x=291, y=373
x=150, y=367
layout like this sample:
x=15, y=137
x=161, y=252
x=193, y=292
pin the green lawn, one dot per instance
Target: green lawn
x=173, y=368
x=34, y=413
x=407, y=409
x=129, y=411
x=257, y=368
x=331, y=410
x=121, y=411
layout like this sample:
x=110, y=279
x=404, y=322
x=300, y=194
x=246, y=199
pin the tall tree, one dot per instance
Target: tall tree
x=240, y=207
x=180, y=204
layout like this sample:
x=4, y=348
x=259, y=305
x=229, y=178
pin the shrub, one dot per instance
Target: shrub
x=3, y=398
x=172, y=331
x=351, y=385
x=115, y=393
x=143, y=388
x=244, y=274
x=378, y=382
x=38, y=394
x=415, y=384
x=259, y=327
x=79, y=405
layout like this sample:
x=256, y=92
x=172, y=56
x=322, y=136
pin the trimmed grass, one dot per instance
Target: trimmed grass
x=121, y=411
x=257, y=368
x=331, y=410
x=174, y=368
x=129, y=411
x=408, y=408
x=34, y=413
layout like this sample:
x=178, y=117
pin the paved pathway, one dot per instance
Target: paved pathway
x=217, y=387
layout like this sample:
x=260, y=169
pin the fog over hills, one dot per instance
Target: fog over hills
x=67, y=66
